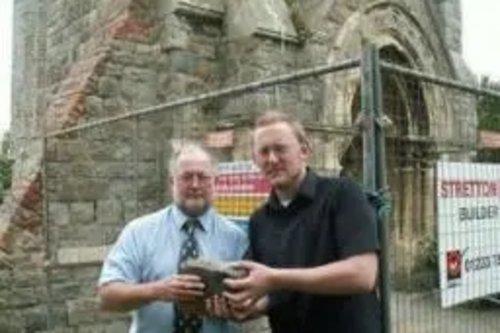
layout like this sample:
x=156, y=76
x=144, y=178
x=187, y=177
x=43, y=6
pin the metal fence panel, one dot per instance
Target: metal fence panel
x=105, y=172
x=432, y=121
x=374, y=119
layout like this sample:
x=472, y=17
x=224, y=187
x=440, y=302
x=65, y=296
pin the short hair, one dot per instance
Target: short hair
x=275, y=116
x=188, y=148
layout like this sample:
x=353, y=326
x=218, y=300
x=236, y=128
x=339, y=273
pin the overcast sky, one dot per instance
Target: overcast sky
x=481, y=49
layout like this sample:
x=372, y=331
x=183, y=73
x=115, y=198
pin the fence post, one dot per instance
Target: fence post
x=374, y=163
x=381, y=183
x=368, y=125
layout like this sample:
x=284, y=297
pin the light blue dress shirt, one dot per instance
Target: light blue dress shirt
x=148, y=250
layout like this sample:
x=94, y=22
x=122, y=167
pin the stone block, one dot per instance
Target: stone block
x=82, y=213
x=146, y=149
x=61, y=292
x=58, y=213
x=60, y=274
x=29, y=243
x=139, y=93
x=134, y=209
x=4, y=297
x=26, y=297
x=111, y=316
x=28, y=278
x=61, y=171
x=122, y=189
x=105, y=170
x=77, y=189
x=152, y=126
x=82, y=255
x=61, y=330
x=204, y=47
x=35, y=319
x=149, y=189
x=59, y=150
x=120, y=150
x=86, y=311
x=94, y=104
x=108, y=87
x=270, y=18
x=96, y=328
x=189, y=62
x=141, y=189
x=109, y=212
x=113, y=105
x=173, y=37
x=81, y=311
x=117, y=326
x=11, y=321
x=6, y=277
x=93, y=236
x=204, y=8
x=275, y=58
x=88, y=275
x=140, y=74
x=114, y=169
x=109, y=146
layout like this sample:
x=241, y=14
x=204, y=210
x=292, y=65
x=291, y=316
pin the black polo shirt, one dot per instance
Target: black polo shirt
x=330, y=219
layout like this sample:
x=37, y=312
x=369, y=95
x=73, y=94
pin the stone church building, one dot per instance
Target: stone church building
x=81, y=61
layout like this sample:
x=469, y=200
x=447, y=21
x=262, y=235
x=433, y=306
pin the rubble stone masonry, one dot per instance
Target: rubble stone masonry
x=80, y=61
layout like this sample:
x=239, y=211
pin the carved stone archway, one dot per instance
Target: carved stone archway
x=417, y=112
x=409, y=159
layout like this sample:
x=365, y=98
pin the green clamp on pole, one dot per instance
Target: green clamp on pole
x=382, y=203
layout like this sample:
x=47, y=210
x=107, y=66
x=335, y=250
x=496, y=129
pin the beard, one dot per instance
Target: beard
x=193, y=207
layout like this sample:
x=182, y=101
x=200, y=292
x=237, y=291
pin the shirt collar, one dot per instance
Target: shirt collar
x=307, y=190
x=206, y=220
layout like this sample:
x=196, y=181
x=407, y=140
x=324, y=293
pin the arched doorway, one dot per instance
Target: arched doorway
x=408, y=158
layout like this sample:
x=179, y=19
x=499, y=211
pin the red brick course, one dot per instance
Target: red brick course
x=20, y=215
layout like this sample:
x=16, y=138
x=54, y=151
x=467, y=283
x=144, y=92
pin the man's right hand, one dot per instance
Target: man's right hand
x=179, y=288
x=249, y=310
x=123, y=297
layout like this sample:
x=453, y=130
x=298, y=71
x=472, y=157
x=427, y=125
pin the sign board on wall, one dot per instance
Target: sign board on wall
x=468, y=216
x=240, y=190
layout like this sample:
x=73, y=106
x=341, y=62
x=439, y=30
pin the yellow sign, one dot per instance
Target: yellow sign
x=238, y=207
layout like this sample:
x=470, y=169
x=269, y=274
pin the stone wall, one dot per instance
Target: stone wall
x=105, y=58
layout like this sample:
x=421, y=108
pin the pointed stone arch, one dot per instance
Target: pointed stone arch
x=417, y=112
x=382, y=23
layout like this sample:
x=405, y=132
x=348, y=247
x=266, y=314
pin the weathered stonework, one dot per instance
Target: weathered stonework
x=81, y=61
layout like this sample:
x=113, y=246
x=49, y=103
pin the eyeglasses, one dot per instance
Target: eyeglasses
x=191, y=177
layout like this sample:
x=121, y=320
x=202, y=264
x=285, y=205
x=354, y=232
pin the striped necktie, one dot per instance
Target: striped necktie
x=187, y=323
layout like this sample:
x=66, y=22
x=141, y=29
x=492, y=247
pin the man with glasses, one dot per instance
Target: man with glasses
x=140, y=273
x=313, y=244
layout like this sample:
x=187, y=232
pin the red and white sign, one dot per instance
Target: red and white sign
x=241, y=183
x=240, y=189
x=468, y=218
x=241, y=177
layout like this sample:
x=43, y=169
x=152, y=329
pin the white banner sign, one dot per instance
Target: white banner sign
x=468, y=216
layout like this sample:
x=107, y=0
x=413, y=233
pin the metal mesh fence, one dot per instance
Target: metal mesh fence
x=386, y=127
x=443, y=179
x=105, y=173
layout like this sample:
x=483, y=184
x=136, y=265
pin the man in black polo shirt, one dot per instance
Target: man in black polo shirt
x=313, y=246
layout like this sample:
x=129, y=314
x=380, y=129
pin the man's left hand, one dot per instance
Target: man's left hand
x=251, y=288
